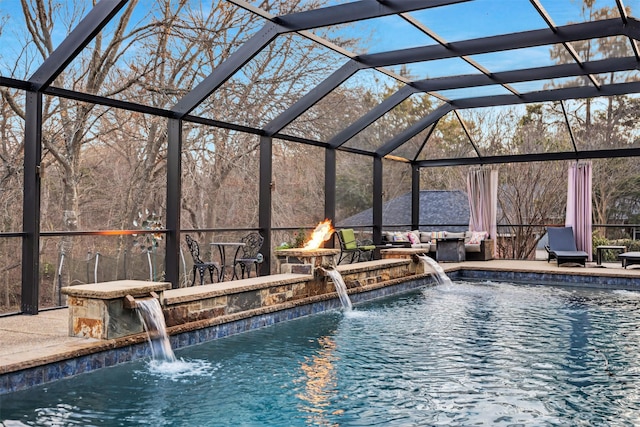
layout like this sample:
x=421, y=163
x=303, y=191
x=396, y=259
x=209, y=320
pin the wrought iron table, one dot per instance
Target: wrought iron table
x=222, y=251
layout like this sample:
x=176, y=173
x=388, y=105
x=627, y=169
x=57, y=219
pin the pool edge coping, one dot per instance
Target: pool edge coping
x=90, y=356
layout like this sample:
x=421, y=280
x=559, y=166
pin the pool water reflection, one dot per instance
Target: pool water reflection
x=459, y=354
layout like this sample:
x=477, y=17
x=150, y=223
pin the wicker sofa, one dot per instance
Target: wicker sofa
x=477, y=245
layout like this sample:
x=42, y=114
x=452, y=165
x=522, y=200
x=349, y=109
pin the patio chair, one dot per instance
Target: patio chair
x=199, y=265
x=248, y=255
x=562, y=247
x=352, y=249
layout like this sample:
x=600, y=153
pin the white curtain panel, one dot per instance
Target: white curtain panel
x=579, y=207
x=482, y=190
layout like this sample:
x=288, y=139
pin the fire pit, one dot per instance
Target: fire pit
x=305, y=261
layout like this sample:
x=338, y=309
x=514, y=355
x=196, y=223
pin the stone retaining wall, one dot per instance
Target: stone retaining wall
x=203, y=313
x=105, y=310
x=267, y=293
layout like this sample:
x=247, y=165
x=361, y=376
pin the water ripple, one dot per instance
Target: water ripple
x=457, y=354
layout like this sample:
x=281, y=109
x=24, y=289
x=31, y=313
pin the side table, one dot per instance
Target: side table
x=602, y=248
x=450, y=250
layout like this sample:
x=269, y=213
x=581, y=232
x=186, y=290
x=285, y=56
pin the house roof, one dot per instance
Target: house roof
x=437, y=207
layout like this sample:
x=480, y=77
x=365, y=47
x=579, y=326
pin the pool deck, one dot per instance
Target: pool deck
x=28, y=340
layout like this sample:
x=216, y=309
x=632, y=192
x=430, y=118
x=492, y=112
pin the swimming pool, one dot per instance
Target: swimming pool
x=468, y=353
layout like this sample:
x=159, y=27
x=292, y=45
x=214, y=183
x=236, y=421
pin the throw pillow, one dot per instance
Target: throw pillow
x=413, y=238
x=437, y=235
x=400, y=237
x=477, y=237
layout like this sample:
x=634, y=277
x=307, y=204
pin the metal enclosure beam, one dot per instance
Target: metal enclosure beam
x=330, y=173
x=412, y=131
x=315, y=95
x=226, y=69
x=377, y=200
x=174, y=198
x=569, y=128
x=564, y=34
x=31, y=204
x=265, y=201
x=73, y=44
x=424, y=141
x=415, y=197
x=535, y=157
x=561, y=94
x=373, y=115
x=528, y=74
x=354, y=11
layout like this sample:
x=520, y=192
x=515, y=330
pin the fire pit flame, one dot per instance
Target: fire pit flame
x=321, y=234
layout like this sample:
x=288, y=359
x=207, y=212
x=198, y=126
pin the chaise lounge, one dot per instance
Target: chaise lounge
x=629, y=258
x=562, y=247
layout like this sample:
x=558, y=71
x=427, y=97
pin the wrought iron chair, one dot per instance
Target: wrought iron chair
x=199, y=265
x=248, y=255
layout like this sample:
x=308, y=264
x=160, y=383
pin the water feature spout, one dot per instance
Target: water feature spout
x=129, y=302
x=438, y=273
x=152, y=317
x=341, y=286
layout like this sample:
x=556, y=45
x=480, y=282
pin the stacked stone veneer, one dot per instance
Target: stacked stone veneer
x=99, y=310
x=305, y=261
x=408, y=254
x=227, y=301
x=102, y=311
x=373, y=273
x=249, y=296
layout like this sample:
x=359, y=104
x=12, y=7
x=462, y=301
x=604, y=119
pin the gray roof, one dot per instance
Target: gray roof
x=437, y=207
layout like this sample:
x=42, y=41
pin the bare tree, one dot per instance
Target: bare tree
x=604, y=122
x=529, y=196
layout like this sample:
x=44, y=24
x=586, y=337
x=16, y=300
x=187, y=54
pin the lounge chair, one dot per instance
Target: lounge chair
x=352, y=249
x=562, y=247
x=629, y=258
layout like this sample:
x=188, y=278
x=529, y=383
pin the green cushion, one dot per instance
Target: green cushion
x=349, y=238
x=367, y=247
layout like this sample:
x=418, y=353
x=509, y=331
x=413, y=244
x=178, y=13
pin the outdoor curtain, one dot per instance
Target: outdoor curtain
x=482, y=189
x=579, y=205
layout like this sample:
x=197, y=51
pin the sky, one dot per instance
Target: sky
x=466, y=20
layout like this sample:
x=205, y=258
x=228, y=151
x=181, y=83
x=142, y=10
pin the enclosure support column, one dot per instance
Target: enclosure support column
x=415, y=197
x=377, y=200
x=31, y=203
x=174, y=196
x=330, y=184
x=264, y=208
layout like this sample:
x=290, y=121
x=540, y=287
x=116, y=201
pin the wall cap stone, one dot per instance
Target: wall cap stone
x=115, y=289
x=194, y=293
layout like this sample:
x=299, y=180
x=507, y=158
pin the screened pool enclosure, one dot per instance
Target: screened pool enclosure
x=128, y=123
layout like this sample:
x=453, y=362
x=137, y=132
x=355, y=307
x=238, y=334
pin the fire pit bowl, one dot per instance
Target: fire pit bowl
x=305, y=261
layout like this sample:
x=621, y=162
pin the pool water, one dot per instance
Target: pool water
x=460, y=354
